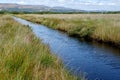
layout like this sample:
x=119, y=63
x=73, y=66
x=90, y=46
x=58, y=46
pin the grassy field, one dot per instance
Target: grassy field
x=99, y=27
x=24, y=57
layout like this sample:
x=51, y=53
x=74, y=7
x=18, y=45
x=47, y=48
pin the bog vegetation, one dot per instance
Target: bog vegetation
x=99, y=27
x=24, y=57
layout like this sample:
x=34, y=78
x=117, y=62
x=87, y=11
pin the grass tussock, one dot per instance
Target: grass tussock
x=100, y=27
x=24, y=57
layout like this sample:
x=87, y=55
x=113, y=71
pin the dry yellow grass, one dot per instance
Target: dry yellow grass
x=24, y=57
x=101, y=27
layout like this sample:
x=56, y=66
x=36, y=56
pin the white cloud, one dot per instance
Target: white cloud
x=21, y=2
x=78, y=4
x=61, y=0
x=97, y=2
x=71, y=2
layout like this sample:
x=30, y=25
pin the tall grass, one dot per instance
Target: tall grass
x=24, y=57
x=100, y=27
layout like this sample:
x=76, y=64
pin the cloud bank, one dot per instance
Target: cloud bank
x=77, y=4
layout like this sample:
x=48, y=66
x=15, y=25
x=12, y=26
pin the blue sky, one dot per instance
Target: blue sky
x=76, y=4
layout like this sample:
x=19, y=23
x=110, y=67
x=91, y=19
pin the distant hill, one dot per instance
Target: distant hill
x=33, y=8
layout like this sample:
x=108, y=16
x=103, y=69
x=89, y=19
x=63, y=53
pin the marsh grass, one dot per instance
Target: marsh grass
x=24, y=57
x=100, y=27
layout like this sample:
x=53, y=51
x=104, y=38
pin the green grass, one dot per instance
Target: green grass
x=99, y=27
x=24, y=57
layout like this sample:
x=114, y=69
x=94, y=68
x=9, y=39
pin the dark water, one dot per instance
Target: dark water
x=97, y=61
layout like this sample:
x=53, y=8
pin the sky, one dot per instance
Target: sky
x=112, y=5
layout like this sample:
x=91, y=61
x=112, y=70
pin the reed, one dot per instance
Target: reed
x=100, y=27
x=24, y=57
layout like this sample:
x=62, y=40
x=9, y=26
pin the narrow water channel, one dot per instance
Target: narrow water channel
x=97, y=61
